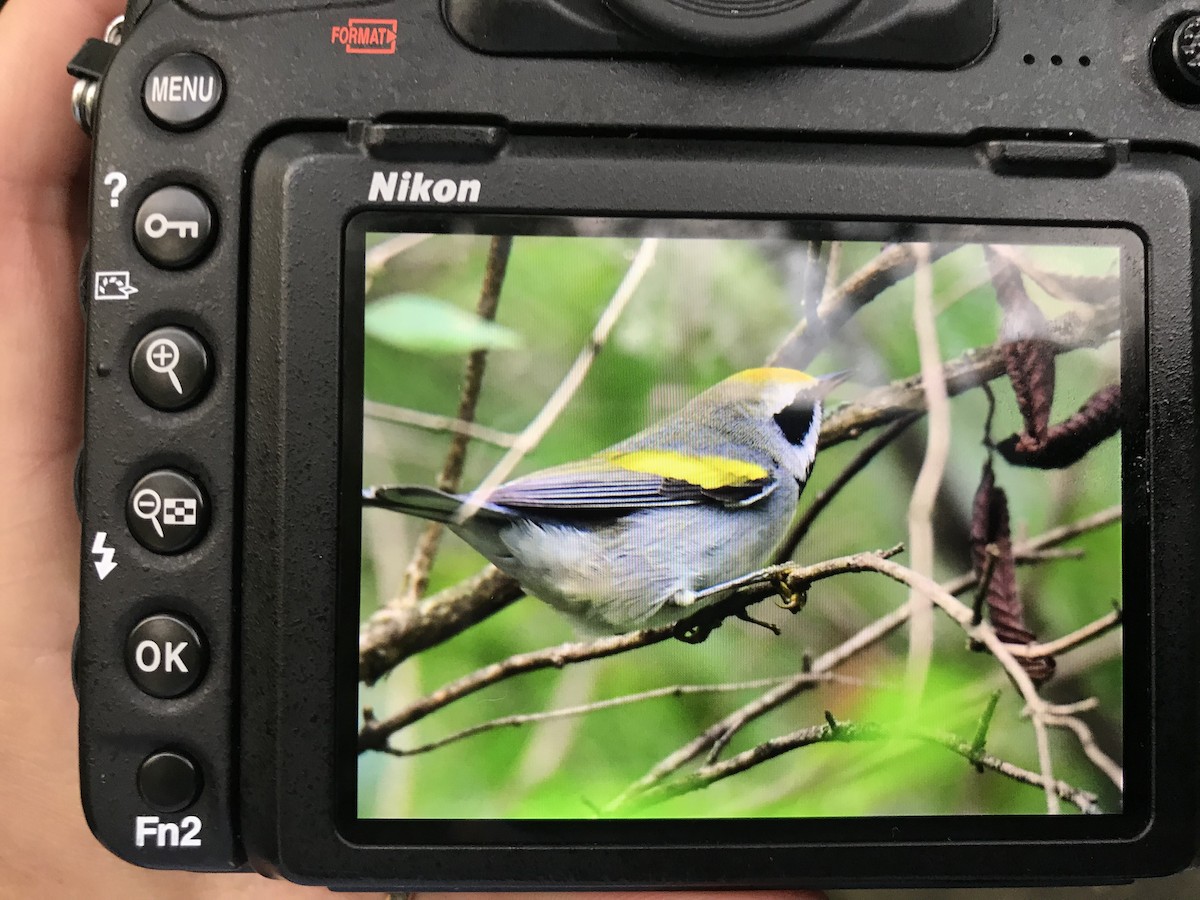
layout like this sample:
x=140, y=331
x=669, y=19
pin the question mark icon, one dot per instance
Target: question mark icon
x=118, y=182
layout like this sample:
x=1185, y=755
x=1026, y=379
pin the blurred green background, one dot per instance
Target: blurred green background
x=706, y=309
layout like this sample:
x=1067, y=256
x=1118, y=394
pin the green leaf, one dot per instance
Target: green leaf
x=428, y=325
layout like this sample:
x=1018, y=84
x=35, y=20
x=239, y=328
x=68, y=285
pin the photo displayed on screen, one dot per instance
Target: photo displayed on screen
x=690, y=520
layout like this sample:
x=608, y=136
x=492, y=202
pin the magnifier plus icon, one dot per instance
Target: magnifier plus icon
x=162, y=356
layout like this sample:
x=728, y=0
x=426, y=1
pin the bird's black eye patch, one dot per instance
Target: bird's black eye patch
x=795, y=421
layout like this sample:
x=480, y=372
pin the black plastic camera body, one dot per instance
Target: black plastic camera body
x=235, y=145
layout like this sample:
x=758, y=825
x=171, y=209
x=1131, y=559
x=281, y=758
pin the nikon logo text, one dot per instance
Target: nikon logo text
x=414, y=187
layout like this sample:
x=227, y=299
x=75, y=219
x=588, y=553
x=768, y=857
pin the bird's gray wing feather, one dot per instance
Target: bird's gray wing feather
x=591, y=486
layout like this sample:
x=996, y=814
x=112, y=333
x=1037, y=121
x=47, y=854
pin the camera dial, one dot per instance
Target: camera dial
x=730, y=26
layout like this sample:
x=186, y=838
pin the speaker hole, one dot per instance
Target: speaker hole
x=1029, y=59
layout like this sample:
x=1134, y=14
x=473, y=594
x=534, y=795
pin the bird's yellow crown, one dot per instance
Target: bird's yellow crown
x=774, y=375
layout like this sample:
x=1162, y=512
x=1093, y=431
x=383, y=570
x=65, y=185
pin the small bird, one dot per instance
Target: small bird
x=645, y=532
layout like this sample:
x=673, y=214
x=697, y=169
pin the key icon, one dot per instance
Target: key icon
x=158, y=225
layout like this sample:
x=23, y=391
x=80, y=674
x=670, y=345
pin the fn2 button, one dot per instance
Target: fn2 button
x=168, y=781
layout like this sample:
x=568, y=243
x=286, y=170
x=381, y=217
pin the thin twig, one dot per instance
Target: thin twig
x=833, y=265
x=1087, y=742
x=677, y=690
x=416, y=576
x=536, y=430
x=973, y=368
x=981, y=590
x=985, y=634
x=1088, y=632
x=807, y=338
x=929, y=478
x=849, y=732
x=401, y=415
x=865, y=638
x=378, y=257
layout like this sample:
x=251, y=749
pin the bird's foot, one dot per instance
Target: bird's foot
x=792, y=597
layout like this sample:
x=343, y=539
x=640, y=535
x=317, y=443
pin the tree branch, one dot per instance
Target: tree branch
x=677, y=690
x=929, y=478
x=375, y=733
x=536, y=430
x=1088, y=632
x=721, y=732
x=402, y=415
x=807, y=339
x=395, y=633
x=850, y=733
x=975, y=367
x=1087, y=741
x=416, y=577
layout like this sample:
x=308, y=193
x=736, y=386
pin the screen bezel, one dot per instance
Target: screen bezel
x=291, y=813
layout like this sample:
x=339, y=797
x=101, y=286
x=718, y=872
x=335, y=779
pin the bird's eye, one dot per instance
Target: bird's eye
x=795, y=421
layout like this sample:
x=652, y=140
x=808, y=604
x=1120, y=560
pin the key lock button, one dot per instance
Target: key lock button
x=174, y=227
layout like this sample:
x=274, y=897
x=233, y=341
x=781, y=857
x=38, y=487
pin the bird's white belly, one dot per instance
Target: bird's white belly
x=642, y=570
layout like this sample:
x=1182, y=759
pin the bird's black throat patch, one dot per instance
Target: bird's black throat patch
x=795, y=421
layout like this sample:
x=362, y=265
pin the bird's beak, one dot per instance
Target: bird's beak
x=826, y=383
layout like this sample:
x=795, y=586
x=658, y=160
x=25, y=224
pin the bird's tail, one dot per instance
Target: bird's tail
x=427, y=503
x=424, y=502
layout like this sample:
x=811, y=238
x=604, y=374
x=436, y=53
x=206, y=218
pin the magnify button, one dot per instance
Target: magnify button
x=170, y=368
x=167, y=511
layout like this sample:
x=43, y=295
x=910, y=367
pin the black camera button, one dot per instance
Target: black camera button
x=167, y=511
x=168, y=781
x=183, y=91
x=165, y=656
x=174, y=227
x=170, y=368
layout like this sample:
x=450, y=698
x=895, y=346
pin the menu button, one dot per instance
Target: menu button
x=183, y=91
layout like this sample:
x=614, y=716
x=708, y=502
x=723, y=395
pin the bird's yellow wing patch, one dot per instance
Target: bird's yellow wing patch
x=709, y=472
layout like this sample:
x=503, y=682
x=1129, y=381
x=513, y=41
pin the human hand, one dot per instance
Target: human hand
x=44, y=840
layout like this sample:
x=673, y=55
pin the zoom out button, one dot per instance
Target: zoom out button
x=167, y=511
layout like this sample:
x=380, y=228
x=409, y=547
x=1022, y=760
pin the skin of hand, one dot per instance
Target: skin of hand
x=45, y=844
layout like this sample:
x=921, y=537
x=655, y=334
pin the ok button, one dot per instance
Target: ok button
x=165, y=656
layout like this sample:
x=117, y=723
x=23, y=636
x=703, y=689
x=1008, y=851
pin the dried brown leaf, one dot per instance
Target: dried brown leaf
x=1028, y=355
x=1067, y=443
x=992, y=557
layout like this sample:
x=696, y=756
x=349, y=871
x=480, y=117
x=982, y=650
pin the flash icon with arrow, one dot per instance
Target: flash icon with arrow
x=104, y=565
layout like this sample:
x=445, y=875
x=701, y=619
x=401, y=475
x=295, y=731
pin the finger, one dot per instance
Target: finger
x=627, y=895
x=40, y=144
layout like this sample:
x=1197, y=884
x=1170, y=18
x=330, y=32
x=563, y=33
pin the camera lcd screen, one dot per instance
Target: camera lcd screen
x=724, y=520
